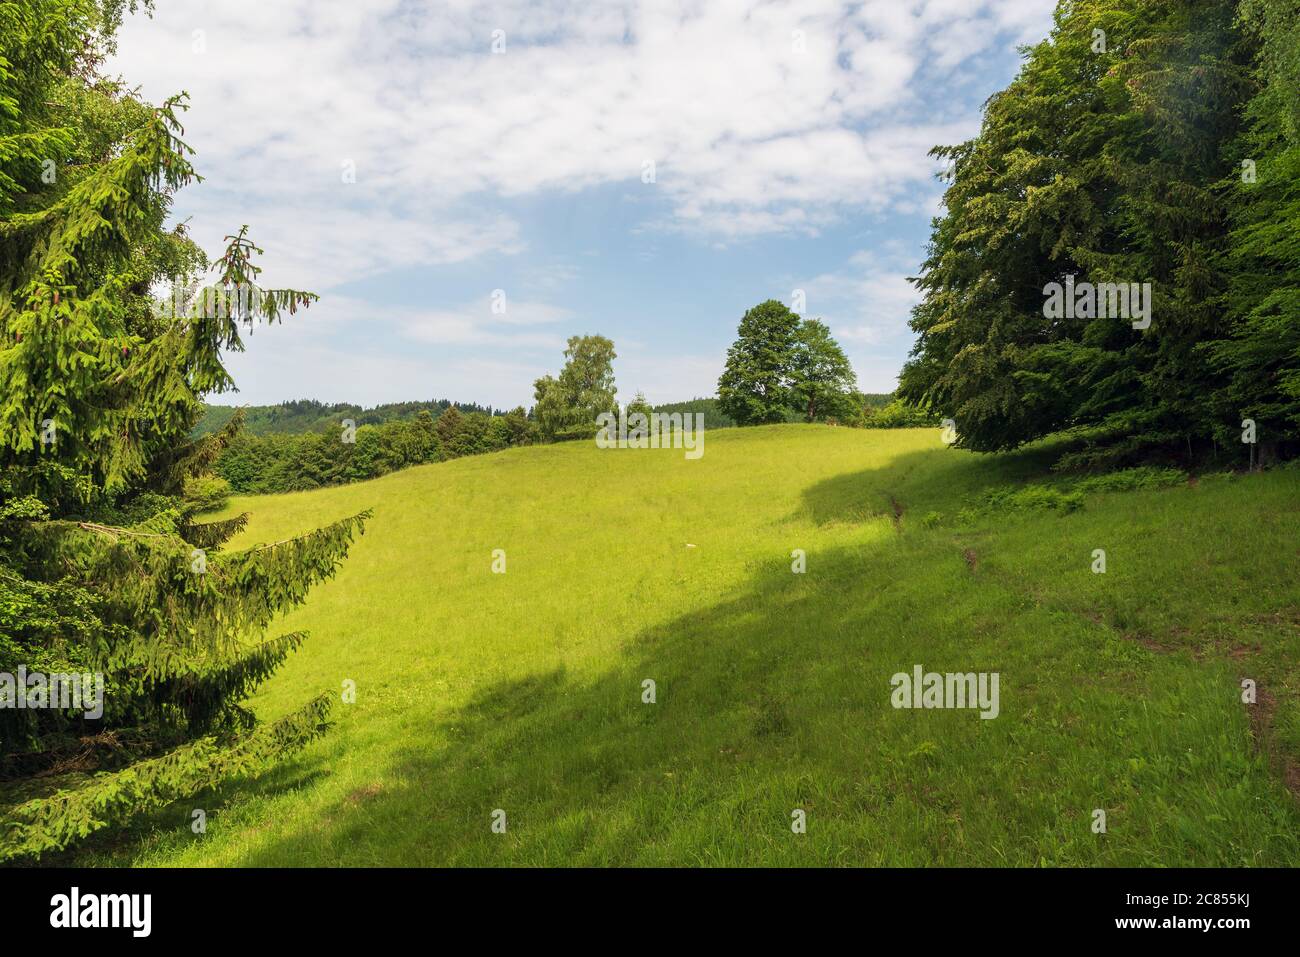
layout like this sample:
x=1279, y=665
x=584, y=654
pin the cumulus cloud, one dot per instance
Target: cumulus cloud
x=758, y=117
x=867, y=304
x=363, y=139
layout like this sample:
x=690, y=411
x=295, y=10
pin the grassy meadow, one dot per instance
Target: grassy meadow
x=523, y=691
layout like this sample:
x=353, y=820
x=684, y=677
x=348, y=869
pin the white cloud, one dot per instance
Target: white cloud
x=670, y=377
x=313, y=245
x=867, y=305
x=476, y=323
x=748, y=133
x=749, y=137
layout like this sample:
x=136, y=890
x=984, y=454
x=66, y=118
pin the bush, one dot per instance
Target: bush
x=897, y=415
x=1129, y=480
x=1033, y=497
x=279, y=462
x=206, y=493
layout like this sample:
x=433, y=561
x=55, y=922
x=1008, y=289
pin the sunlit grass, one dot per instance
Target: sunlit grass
x=522, y=691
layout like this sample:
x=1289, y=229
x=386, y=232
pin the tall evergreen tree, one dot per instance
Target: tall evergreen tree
x=448, y=426
x=1260, y=359
x=103, y=568
x=1100, y=162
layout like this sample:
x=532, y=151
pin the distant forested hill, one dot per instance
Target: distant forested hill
x=310, y=415
x=714, y=417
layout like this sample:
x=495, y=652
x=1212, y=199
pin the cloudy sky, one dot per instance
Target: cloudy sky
x=646, y=171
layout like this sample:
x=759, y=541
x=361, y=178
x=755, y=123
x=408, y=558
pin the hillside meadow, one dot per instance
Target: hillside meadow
x=523, y=691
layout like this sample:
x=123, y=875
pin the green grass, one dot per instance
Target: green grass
x=522, y=691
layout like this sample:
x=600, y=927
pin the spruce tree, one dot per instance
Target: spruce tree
x=1102, y=161
x=103, y=566
x=1259, y=361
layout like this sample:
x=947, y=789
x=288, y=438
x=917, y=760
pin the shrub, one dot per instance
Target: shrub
x=1129, y=480
x=206, y=493
x=1033, y=497
x=898, y=415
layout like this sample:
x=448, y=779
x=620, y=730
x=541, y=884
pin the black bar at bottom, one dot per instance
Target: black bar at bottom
x=205, y=907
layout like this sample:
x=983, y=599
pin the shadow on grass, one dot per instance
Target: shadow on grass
x=922, y=481
x=117, y=846
x=584, y=768
x=778, y=697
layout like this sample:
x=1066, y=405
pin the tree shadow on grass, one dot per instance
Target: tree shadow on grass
x=923, y=481
x=584, y=767
x=780, y=698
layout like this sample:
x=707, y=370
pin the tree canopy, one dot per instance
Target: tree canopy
x=1143, y=142
x=781, y=364
x=567, y=407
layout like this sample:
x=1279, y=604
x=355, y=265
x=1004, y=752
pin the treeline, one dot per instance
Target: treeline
x=714, y=417
x=870, y=409
x=312, y=415
x=1120, y=249
x=306, y=444
x=895, y=413
x=279, y=462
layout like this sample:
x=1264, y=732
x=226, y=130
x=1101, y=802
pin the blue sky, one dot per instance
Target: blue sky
x=406, y=160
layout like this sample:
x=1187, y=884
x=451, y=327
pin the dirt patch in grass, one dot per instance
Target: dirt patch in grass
x=1282, y=618
x=361, y=795
x=1261, y=730
x=1153, y=644
x=898, y=509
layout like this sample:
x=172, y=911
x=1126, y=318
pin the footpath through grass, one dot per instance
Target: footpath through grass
x=523, y=691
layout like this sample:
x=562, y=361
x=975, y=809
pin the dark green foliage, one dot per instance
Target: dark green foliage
x=289, y=463
x=309, y=415
x=896, y=414
x=784, y=369
x=212, y=534
x=58, y=818
x=103, y=568
x=1032, y=497
x=448, y=427
x=1130, y=480
x=1260, y=360
x=755, y=385
x=1064, y=496
x=822, y=382
x=714, y=417
x=1108, y=166
x=206, y=493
